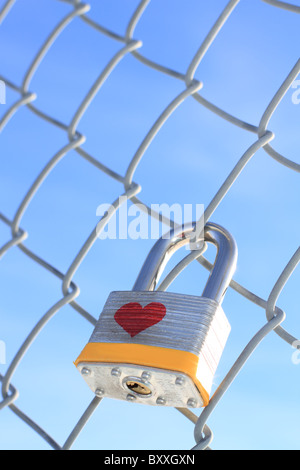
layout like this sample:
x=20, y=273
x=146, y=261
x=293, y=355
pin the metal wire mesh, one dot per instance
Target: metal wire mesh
x=75, y=141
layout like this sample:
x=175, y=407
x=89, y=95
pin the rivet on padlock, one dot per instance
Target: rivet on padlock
x=161, y=348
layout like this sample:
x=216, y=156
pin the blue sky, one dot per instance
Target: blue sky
x=186, y=163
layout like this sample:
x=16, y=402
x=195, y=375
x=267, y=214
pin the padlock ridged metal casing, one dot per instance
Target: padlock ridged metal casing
x=157, y=347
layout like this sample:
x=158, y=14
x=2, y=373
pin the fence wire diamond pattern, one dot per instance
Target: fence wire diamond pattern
x=191, y=87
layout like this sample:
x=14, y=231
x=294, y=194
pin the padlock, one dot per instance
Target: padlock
x=162, y=348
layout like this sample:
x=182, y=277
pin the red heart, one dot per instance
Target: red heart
x=134, y=319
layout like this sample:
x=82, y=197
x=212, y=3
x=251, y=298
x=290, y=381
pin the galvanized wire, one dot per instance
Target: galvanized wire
x=75, y=141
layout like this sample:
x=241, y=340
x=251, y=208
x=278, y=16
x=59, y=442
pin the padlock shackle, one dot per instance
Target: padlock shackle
x=223, y=270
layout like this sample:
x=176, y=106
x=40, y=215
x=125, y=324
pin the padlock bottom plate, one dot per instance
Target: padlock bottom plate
x=162, y=384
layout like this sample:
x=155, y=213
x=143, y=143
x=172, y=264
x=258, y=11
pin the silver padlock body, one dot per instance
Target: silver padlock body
x=196, y=325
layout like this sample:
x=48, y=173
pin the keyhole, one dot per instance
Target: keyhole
x=138, y=387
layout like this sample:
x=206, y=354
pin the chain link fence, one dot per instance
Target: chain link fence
x=75, y=141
